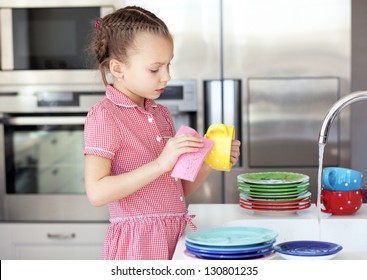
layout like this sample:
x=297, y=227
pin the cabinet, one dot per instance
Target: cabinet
x=51, y=241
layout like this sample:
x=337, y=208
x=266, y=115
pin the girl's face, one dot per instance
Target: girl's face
x=146, y=73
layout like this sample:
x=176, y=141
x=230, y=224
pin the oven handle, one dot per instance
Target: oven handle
x=45, y=120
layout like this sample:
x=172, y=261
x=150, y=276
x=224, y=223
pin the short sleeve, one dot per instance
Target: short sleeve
x=101, y=134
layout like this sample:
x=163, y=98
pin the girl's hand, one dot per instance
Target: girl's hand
x=176, y=146
x=235, y=151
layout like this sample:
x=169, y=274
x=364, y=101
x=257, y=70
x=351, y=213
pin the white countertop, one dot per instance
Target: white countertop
x=301, y=225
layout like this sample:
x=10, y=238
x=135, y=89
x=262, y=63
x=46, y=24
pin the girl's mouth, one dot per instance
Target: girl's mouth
x=161, y=90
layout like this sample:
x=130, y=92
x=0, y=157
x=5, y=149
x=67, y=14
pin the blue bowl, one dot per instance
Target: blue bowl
x=341, y=179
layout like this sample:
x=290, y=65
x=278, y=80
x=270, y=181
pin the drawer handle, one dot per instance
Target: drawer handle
x=61, y=236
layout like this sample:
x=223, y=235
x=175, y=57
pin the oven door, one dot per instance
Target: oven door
x=47, y=36
x=44, y=169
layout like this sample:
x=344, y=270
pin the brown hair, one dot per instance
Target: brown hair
x=115, y=34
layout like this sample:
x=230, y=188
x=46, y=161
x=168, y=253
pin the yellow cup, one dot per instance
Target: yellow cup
x=219, y=156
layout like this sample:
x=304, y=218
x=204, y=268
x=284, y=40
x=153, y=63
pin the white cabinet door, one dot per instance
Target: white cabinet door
x=51, y=241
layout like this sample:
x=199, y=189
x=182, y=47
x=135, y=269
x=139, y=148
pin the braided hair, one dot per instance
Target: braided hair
x=115, y=34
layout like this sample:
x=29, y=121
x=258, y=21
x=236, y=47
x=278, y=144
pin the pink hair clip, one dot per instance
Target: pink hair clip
x=97, y=23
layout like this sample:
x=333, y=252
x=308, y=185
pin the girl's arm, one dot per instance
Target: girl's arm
x=102, y=187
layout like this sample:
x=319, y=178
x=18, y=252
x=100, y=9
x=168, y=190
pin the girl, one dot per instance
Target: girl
x=130, y=146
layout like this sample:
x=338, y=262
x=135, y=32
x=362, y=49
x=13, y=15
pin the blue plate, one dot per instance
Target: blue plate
x=231, y=257
x=308, y=248
x=225, y=250
x=231, y=236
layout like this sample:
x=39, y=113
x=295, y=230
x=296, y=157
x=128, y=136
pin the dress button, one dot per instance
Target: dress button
x=150, y=119
x=181, y=198
x=159, y=139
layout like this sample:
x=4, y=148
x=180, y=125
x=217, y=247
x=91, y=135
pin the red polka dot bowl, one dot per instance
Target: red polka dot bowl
x=341, y=203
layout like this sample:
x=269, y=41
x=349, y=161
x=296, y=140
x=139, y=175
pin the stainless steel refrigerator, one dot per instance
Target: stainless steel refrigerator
x=271, y=68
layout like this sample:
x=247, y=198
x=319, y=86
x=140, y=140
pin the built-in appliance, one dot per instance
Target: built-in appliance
x=180, y=97
x=41, y=138
x=271, y=68
x=43, y=41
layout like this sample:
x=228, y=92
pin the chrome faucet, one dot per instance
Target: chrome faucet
x=334, y=111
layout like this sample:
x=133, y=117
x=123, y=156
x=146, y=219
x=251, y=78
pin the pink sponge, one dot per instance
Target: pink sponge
x=189, y=164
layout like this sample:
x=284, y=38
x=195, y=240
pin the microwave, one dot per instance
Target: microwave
x=45, y=40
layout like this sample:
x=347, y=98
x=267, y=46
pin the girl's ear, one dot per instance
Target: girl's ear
x=117, y=68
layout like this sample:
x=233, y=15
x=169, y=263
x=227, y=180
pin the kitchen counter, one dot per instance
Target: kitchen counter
x=348, y=231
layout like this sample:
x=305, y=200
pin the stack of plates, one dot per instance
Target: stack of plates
x=274, y=191
x=307, y=249
x=231, y=243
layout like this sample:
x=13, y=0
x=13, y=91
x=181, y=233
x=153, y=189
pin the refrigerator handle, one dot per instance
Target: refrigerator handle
x=213, y=112
x=222, y=104
x=232, y=108
x=232, y=104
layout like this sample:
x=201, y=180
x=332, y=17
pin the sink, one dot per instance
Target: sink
x=351, y=234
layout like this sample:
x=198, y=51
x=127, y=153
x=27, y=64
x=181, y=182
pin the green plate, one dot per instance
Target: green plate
x=286, y=186
x=270, y=191
x=273, y=178
x=291, y=198
x=231, y=236
x=275, y=196
x=273, y=191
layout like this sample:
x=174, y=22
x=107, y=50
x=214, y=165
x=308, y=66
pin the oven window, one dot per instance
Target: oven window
x=45, y=159
x=52, y=38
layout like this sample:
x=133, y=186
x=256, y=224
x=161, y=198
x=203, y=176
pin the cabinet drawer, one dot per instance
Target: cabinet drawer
x=58, y=252
x=48, y=241
x=49, y=233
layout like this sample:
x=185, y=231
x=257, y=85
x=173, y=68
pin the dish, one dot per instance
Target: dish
x=272, y=190
x=274, y=210
x=272, y=178
x=275, y=186
x=277, y=203
x=315, y=258
x=230, y=250
x=245, y=256
x=299, y=197
x=267, y=256
x=275, y=195
x=274, y=207
x=306, y=248
x=231, y=236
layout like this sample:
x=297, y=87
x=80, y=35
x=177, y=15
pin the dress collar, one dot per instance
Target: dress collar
x=119, y=98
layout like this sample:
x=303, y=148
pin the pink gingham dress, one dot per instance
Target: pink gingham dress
x=148, y=223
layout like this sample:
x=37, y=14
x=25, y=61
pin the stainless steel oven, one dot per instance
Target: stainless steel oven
x=41, y=140
x=41, y=148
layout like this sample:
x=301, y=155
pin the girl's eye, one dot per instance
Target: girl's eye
x=154, y=70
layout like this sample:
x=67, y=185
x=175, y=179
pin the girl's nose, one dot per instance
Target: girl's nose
x=166, y=77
